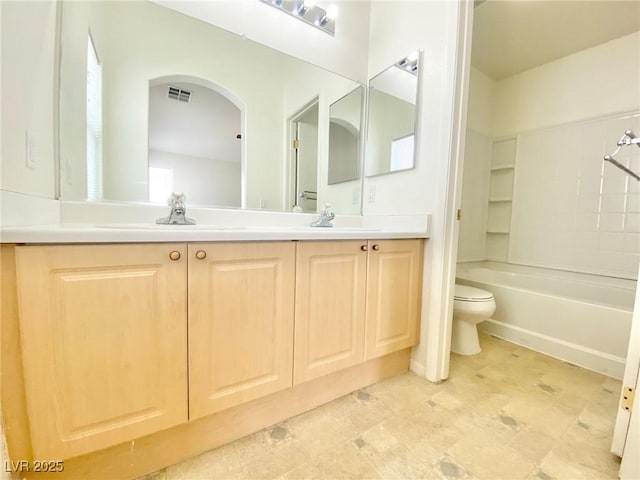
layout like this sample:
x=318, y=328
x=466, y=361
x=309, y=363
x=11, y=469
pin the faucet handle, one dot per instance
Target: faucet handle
x=176, y=199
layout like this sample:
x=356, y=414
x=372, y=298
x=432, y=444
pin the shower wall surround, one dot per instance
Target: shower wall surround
x=571, y=210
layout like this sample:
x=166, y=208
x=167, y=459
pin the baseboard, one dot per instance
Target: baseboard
x=588, y=358
x=418, y=368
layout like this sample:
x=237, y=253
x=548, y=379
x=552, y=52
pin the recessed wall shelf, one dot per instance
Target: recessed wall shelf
x=503, y=161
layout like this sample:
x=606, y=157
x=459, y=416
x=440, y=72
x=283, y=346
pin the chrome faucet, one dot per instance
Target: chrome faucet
x=177, y=216
x=326, y=215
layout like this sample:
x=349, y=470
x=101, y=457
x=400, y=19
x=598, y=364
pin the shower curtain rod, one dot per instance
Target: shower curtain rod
x=627, y=139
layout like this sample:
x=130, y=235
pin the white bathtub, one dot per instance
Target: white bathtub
x=580, y=318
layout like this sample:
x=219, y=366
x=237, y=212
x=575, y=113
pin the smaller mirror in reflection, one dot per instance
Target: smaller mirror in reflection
x=345, y=122
x=195, y=144
x=391, y=120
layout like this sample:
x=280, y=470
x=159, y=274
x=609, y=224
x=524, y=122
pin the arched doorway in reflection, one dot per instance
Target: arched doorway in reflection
x=196, y=142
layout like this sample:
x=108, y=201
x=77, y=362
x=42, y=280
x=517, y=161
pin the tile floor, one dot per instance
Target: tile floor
x=507, y=413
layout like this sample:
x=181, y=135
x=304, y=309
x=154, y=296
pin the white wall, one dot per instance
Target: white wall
x=597, y=81
x=477, y=168
x=208, y=181
x=343, y=53
x=475, y=195
x=481, y=103
x=28, y=96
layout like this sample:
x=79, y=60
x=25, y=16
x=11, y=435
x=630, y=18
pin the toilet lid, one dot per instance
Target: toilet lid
x=471, y=294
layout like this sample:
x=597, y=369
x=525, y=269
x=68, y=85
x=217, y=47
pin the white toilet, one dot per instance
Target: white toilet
x=470, y=307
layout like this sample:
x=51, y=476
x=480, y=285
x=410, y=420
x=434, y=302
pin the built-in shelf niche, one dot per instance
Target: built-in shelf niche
x=503, y=160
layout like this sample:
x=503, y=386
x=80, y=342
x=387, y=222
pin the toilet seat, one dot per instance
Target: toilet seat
x=463, y=293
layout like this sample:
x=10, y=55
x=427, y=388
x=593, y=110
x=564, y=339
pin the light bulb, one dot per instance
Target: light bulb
x=310, y=3
x=412, y=57
x=332, y=12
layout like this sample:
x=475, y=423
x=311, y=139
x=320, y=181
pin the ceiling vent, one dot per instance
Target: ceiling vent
x=179, y=94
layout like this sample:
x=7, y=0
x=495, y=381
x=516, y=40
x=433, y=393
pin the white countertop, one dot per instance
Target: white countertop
x=131, y=233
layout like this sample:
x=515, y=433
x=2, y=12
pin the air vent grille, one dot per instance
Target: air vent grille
x=179, y=94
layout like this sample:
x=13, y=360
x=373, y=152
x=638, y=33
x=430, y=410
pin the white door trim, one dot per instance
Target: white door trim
x=438, y=335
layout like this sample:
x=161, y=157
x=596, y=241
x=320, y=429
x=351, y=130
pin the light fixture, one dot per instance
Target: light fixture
x=332, y=14
x=304, y=6
x=308, y=11
x=410, y=63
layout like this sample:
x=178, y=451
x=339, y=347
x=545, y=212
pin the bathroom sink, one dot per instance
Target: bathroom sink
x=158, y=226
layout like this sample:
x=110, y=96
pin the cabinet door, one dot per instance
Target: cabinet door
x=330, y=296
x=394, y=287
x=240, y=323
x=104, y=345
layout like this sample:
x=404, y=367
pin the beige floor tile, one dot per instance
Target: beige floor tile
x=380, y=439
x=277, y=461
x=507, y=413
x=557, y=467
x=533, y=445
x=483, y=457
x=252, y=446
x=344, y=461
x=221, y=463
x=540, y=413
x=588, y=448
x=318, y=433
x=399, y=462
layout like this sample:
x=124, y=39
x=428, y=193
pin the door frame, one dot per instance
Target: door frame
x=292, y=170
x=630, y=379
x=440, y=318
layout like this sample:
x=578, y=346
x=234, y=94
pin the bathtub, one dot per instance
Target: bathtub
x=580, y=318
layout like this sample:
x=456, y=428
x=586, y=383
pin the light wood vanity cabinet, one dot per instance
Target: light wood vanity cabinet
x=196, y=343
x=104, y=337
x=240, y=323
x=354, y=301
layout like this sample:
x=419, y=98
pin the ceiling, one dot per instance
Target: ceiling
x=512, y=36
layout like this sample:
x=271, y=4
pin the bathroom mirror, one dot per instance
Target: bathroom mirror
x=345, y=122
x=124, y=138
x=391, y=118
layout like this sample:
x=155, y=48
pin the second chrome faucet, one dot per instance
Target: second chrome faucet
x=326, y=215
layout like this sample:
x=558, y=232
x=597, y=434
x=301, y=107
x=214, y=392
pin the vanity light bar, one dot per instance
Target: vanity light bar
x=309, y=12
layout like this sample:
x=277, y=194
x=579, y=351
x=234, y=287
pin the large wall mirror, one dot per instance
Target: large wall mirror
x=153, y=101
x=391, y=118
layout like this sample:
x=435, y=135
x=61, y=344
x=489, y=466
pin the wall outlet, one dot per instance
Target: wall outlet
x=263, y=203
x=30, y=150
x=371, y=194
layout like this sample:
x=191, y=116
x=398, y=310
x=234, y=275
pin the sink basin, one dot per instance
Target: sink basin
x=158, y=226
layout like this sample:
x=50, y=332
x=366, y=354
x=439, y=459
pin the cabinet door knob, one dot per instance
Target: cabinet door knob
x=376, y=247
x=201, y=254
x=174, y=255
x=364, y=248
